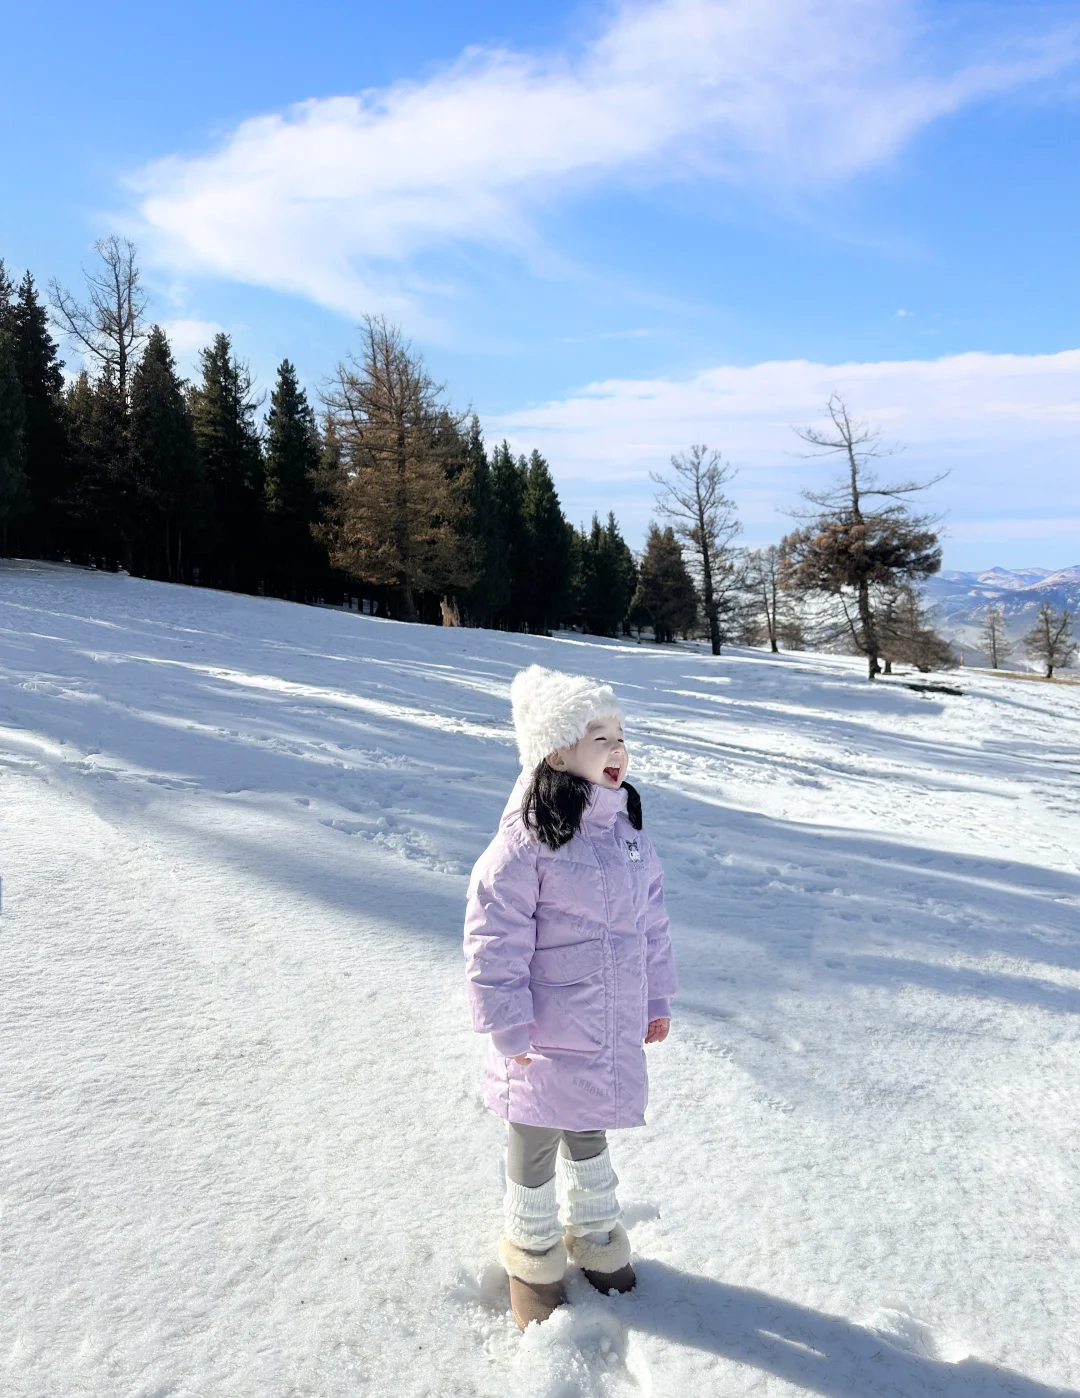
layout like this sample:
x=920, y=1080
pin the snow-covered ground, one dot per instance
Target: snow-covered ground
x=242, y=1146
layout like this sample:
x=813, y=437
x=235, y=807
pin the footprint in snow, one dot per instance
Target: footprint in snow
x=903, y=1331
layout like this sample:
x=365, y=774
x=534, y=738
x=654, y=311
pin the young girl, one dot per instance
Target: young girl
x=570, y=972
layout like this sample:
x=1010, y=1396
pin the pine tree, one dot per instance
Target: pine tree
x=165, y=467
x=395, y=514
x=489, y=592
x=7, y=293
x=511, y=572
x=607, y=578
x=626, y=571
x=848, y=548
x=78, y=413
x=42, y=530
x=666, y=598
x=223, y=412
x=295, y=561
x=98, y=503
x=14, y=495
x=550, y=558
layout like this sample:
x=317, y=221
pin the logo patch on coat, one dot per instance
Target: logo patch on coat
x=633, y=851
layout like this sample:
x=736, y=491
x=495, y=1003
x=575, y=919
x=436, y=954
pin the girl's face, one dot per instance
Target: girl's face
x=600, y=757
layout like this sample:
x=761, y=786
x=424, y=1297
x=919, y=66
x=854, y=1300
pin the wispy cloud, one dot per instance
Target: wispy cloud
x=335, y=199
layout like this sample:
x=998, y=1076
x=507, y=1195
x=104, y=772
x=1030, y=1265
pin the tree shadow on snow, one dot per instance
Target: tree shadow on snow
x=813, y=1351
x=962, y=980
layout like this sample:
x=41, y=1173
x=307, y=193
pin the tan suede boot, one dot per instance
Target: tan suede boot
x=605, y=1265
x=536, y=1281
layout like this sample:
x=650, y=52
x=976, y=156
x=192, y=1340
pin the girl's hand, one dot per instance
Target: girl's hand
x=658, y=1031
x=522, y=1058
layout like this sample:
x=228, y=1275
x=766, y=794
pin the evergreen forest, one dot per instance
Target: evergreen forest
x=379, y=495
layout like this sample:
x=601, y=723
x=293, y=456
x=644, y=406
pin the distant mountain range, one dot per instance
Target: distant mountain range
x=961, y=599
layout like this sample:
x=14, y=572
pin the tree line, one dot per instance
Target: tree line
x=388, y=494
x=385, y=493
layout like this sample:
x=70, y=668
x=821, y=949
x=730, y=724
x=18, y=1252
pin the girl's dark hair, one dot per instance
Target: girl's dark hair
x=554, y=803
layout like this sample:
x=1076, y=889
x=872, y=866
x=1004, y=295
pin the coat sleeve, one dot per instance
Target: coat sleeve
x=659, y=961
x=500, y=932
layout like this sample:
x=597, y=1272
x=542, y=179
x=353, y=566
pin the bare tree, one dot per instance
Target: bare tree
x=111, y=326
x=849, y=548
x=704, y=518
x=1050, y=640
x=396, y=491
x=792, y=632
x=908, y=633
x=994, y=642
x=764, y=588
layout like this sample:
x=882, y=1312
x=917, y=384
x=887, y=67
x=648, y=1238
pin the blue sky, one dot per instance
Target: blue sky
x=612, y=229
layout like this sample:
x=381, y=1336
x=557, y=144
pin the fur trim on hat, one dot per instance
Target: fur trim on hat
x=552, y=710
x=534, y=1267
x=600, y=1257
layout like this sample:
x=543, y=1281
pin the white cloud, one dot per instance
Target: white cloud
x=188, y=336
x=333, y=198
x=1004, y=425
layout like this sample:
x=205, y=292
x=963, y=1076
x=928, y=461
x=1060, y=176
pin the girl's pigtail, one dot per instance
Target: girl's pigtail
x=633, y=805
x=553, y=804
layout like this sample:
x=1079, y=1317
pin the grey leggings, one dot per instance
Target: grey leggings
x=531, y=1151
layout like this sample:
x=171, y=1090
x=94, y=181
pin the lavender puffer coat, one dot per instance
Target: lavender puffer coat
x=574, y=943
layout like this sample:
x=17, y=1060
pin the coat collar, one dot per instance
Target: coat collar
x=605, y=806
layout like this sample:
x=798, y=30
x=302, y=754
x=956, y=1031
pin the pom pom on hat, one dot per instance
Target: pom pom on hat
x=552, y=710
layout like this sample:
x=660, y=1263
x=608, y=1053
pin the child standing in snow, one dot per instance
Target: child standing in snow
x=570, y=972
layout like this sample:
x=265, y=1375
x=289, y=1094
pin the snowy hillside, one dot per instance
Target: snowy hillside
x=242, y=1147
x=962, y=600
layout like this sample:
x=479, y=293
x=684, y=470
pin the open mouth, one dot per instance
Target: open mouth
x=613, y=773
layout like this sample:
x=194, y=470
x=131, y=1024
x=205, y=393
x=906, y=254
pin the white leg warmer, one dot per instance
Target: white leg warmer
x=590, y=1205
x=531, y=1216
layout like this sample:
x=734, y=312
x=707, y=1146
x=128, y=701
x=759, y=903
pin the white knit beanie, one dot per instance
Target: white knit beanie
x=552, y=710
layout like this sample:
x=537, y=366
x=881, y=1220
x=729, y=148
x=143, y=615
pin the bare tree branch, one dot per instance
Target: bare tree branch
x=703, y=517
x=858, y=444
x=1050, y=640
x=111, y=327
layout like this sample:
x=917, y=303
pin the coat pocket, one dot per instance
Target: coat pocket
x=569, y=997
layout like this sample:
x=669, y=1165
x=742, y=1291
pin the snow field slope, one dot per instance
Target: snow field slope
x=242, y=1147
